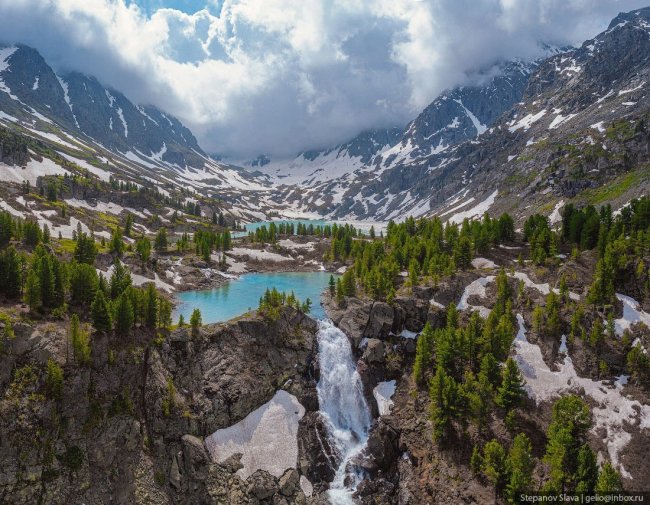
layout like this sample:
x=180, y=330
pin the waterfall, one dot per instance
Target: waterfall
x=341, y=400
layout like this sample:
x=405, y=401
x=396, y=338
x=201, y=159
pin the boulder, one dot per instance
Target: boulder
x=262, y=485
x=374, y=352
x=380, y=321
x=355, y=319
x=289, y=482
x=437, y=317
x=195, y=457
x=383, y=444
x=413, y=312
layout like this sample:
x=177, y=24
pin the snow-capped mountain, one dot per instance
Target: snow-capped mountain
x=460, y=114
x=100, y=129
x=316, y=166
x=580, y=123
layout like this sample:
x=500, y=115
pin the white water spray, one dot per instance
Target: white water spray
x=341, y=400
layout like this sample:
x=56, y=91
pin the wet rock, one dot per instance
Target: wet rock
x=317, y=458
x=383, y=444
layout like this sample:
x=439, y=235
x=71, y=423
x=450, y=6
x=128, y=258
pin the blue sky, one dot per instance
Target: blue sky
x=187, y=6
x=277, y=77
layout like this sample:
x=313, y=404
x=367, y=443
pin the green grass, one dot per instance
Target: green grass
x=617, y=187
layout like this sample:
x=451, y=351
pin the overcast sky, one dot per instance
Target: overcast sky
x=281, y=76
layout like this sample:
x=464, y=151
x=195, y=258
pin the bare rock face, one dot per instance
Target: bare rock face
x=317, y=458
x=380, y=321
x=132, y=430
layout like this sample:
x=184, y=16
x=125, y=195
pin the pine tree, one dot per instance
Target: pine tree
x=128, y=225
x=83, y=283
x=494, y=464
x=609, y=480
x=46, y=281
x=511, y=392
x=11, y=282
x=117, y=244
x=124, y=315
x=80, y=340
x=160, y=244
x=596, y=335
x=100, y=313
x=463, y=253
x=143, y=248
x=85, y=250
x=32, y=290
x=181, y=321
x=587, y=472
x=476, y=461
x=164, y=313
x=54, y=379
x=150, y=306
x=423, y=353
x=120, y=279
x=443, y=392
x=332, y=286
x=520, y=465
x=195, y=321
x=569, y=424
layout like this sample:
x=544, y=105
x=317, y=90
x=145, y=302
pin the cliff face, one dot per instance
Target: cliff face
x=129, y=427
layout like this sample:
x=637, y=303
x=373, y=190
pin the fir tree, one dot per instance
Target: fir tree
x=609, y=480
x=124, y=315
x=100, y=313
x=587, y=472
x=520, y=465
x=511, y=392
x=195, y=321
x=494, y=464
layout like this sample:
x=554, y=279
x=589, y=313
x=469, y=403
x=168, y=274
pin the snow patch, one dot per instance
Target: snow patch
x=383, y=393
x=266, y=438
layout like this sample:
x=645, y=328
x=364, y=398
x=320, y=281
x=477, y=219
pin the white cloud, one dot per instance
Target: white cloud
x=279, y=76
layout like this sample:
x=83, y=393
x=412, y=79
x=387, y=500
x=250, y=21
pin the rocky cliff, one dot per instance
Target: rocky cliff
x=129, y=427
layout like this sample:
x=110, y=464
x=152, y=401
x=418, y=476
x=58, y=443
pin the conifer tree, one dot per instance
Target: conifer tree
x=54, y=379
x=609, y=480
x=511, y=392
x=150, y=306
x=32, y=290
x=80, y=340
x=520, y=465
x=423, y=353
x=195, y=321
x=587, y=472
x=100, y=312
x=494, y=464
x=476, y=460
x=124, y=315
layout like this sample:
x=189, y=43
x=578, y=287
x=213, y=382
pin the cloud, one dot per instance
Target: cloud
x=280, y=76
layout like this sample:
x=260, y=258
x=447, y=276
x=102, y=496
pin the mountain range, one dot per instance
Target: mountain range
x=508, y=137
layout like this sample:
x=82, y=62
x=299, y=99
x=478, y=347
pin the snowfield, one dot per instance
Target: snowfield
x=612, y=410
x=258, y=255
x=266, y=438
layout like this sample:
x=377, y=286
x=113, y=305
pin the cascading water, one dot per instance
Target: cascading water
x=341, y=400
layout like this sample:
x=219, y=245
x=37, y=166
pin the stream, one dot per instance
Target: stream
x=340, y=392
x=342, y=404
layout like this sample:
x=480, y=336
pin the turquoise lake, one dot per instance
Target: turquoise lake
x=243, y=294
x=254, y=226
